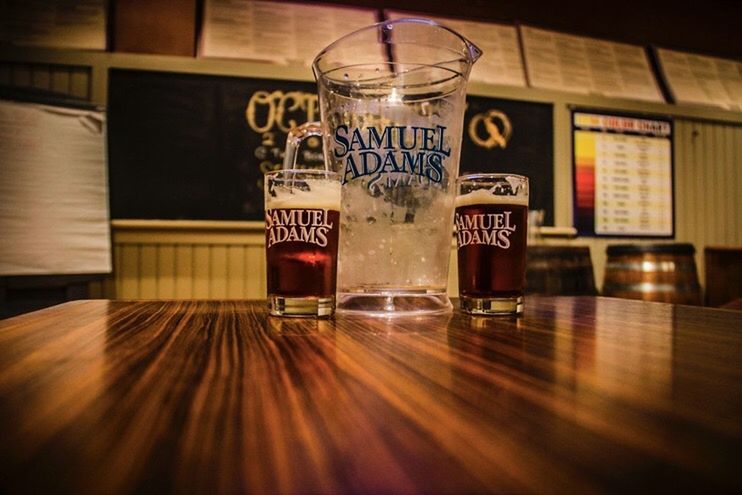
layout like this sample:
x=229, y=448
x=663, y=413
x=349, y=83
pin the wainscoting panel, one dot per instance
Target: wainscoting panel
x=189, y=260
x=194, y=260
x=64, y=80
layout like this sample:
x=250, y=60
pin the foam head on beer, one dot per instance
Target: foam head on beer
x=486, y=196
x=305, y=193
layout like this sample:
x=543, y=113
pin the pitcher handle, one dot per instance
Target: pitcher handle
x=294, y=139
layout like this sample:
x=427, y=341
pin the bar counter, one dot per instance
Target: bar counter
x=581, y=394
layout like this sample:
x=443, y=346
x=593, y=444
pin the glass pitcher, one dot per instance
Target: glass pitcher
x=392, y=100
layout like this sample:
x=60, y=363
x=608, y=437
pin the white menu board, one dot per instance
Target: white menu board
x=54, y=23
x=623, y=175
x=54, y=190
x=284, y=33
x=501, y=62
x=577, y=64
x=702, y=80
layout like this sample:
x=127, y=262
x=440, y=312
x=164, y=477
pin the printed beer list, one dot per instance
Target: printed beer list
x=623, y=175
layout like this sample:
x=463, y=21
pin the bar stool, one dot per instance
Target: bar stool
x=652, y=272
x=560, y=270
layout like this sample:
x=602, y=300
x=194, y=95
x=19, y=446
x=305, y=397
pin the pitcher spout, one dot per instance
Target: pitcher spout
x=430, y=33
x=474, y=51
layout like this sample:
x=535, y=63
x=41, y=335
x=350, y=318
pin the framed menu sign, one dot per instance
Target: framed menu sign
x=623, y=174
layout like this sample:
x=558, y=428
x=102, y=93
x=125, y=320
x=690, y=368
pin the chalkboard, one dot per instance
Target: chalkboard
x=185, y=146
x=515, y=137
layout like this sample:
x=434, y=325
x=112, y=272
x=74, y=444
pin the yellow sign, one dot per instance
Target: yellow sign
x=277, y=104
x=496, y=125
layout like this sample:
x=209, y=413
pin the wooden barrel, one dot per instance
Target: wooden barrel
x=652, y=272
x=560, y=270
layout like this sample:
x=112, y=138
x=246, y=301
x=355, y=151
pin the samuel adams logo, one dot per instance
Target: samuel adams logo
x=493, y=229
x=298, y=225
x=395, y=154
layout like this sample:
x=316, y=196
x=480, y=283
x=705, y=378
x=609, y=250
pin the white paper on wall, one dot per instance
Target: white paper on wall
x=501, y=62
x=698, y=79
x=53, y=191
x=578, y=64
x=283, y=33
x=54, y=23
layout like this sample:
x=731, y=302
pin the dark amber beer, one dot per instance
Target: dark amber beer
x=302, y=255
x=302, y=225
x=491, y=220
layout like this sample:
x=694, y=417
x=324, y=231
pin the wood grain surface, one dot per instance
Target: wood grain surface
x=582, y=394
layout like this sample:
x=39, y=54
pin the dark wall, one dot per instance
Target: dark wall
x=165, y=27
x=710, y=26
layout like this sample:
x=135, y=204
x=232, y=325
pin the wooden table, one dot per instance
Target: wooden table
x=581, y=394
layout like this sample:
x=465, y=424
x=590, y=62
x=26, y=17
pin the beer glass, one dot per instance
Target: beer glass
x=491, y=219
x=392, y=100
x=302, y=223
